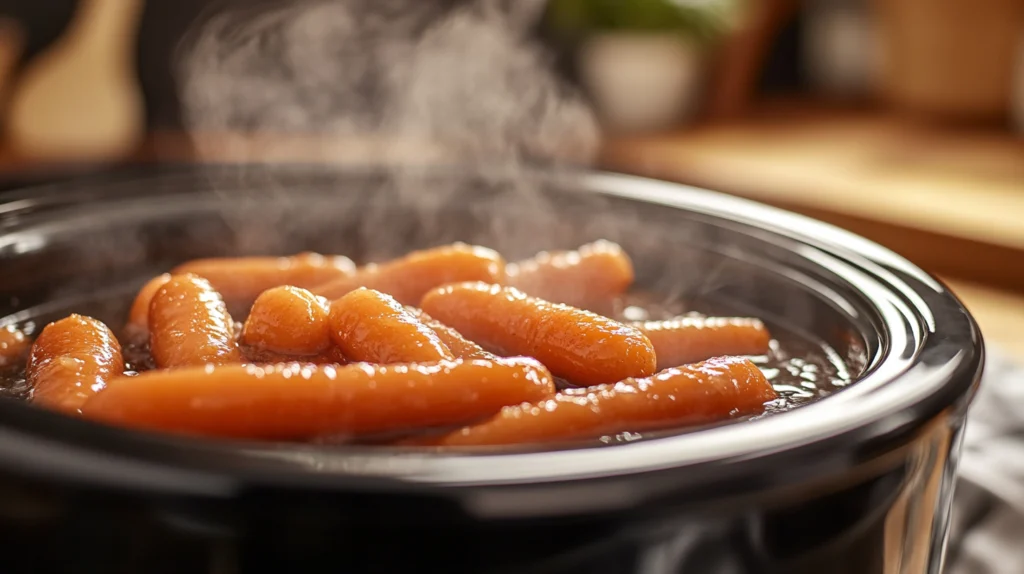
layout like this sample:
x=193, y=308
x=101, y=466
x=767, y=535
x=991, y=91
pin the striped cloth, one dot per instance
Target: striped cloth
x=987, y=532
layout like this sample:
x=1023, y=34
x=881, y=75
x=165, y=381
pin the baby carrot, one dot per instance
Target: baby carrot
x=693, y=394
x=408, y=278
x=577, y=345
x=241, y=279
x=460, y=346
x=592, y=274
x=13, y=344
x=190, y=325
x=370, y=326
x=138, y=317
x=70, y=361
x=288, y=320
x=293, y=401
x=691, y=339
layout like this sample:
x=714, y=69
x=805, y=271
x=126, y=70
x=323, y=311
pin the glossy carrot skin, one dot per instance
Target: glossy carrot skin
x=13, y=345
x=371, y=326
x=288, y=320
x=460, y=346
x=691, y=339
x=577, y=345
x=294, y=401
x=408, y=278
x=190, y=325
x=138, y=317
x=70, y=361
x=241, y=279
x=593, y=274
x=695, y=394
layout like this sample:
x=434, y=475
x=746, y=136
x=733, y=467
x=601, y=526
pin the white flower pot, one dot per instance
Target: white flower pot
x=642, y=82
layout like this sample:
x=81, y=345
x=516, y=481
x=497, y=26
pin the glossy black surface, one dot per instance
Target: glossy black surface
x=849, y=484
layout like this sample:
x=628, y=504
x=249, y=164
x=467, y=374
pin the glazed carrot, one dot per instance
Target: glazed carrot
x=691, y=339
x=190, y=325
x=583, y=347
x=408, y=278
x=288, y=320
x=138, y=317
x=13, y=345
x=240, y=280
x=693, y=394
x=594, y=273
x=460, y=346
x=371, y=326
x=71, y=360
x=294, y=401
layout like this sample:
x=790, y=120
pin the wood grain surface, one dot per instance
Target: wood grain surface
x=949, y=199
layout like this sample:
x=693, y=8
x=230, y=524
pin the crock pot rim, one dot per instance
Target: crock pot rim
x=944, y=369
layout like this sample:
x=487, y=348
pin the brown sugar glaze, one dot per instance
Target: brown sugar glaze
x=802, y=368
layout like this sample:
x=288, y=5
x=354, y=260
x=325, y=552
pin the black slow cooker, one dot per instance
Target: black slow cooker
x=859, y=482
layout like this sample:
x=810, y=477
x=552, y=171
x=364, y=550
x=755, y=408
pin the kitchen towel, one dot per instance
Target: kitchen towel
x=987, y=530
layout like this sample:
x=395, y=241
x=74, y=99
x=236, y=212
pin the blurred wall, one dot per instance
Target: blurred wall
x=165, y=22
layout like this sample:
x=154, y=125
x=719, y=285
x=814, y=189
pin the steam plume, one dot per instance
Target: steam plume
x=461, y=78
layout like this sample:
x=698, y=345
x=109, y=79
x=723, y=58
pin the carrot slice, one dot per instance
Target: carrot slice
x=408, y=278
x=577, y=345
x=190, y=325
x=693, y=394
x=592, y=274
x=293, y=401
x=288, y=320
x=241, y=279
x=370, y=326
x=70, y=361
x=691, y=339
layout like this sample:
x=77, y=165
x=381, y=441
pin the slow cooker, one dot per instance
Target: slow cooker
x=859, y=482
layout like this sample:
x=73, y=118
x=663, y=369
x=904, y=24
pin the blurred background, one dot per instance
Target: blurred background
x=902, y=120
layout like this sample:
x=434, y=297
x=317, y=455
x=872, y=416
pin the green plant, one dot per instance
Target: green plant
x=699, y=19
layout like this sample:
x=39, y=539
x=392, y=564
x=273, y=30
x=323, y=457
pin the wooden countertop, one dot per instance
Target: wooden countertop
x=952, y=200
x=1000, y=314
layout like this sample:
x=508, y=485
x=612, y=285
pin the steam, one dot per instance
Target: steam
x=400, y=83
x=405, y=83
x=459, y=79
